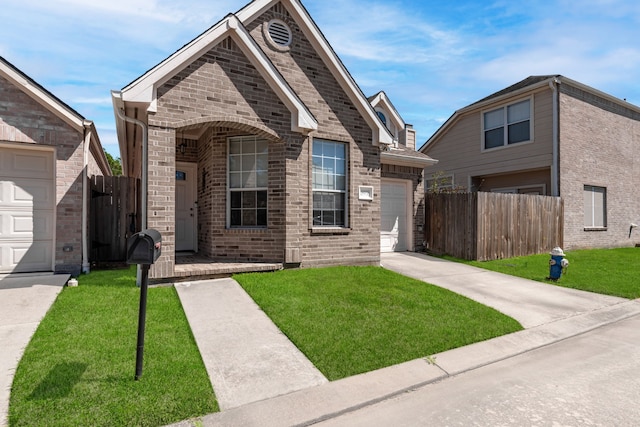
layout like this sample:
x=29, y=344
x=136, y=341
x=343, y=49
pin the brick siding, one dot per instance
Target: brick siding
x=224, y=93
x=599, y=146
x=23, y=120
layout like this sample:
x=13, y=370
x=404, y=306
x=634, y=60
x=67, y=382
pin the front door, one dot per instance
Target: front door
x=186, y=207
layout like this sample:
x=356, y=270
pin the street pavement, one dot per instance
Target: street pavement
x=588, y=380
x=24, y=300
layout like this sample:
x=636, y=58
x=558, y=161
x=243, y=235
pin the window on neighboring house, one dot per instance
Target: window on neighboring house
x=329, y=183
x=439, y=183
x=510, y=124
x=248, y=182
x=595, y=207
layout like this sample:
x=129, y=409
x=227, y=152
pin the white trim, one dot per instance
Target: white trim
x=144, y=89
x=381, y=102
x=347, y=186
x=365, y=192
x=380, y=133
x=398, y=158
x=242, y=189
x=504, y=107
x=20, y=81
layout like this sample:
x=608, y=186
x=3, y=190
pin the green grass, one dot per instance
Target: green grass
x=79, y=367
x=605, y=271
x=349, y=320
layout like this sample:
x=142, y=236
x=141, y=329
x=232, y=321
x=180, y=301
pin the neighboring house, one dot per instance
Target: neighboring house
x=262, y=148
x=550, y=135
x=47, y=153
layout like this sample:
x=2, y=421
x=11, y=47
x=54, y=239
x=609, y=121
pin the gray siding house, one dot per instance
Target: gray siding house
x=550, y=135
x=258, y=147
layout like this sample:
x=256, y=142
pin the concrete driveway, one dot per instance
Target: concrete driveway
x=24, y=301
x=530, y=303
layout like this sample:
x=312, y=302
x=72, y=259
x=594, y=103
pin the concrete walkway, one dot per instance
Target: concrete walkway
x=247, y=357
x=24, y=301
x=234, y=335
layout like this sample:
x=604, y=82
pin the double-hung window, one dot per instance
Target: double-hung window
x=329, y=176
x=248, y=182
x=595, y=207
x=510, y=124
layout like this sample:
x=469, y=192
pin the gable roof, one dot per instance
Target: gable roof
x=331, y=60
x=41, y=95
x=57, y=107
x=524, y=86
x=381, y=99
x=143, y=89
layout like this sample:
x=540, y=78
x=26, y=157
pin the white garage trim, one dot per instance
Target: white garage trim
x=19, y=233
x=407, y=239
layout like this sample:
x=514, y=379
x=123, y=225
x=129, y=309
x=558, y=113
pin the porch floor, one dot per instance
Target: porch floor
x=194, y=266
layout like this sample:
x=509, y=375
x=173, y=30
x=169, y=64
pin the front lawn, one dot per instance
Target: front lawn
x=605, y=271
x=78, y=370
x=349, y=320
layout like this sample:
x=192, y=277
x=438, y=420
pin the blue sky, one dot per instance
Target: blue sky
x=430, y=57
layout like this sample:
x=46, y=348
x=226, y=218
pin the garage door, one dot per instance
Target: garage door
x=393, y=227
x=27, y=200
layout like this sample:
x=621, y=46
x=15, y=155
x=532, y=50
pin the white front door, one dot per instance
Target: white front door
x=393, y=217
x=186, y=207
x=27, y=202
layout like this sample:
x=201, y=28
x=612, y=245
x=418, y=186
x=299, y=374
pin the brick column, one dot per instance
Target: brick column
x=161, y=196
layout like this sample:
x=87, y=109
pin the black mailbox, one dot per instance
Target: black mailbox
x=144, y=247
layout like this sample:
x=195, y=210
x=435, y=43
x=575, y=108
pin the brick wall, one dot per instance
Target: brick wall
x=338, y=120
x=223, y=92
x=22, y=120
x=599, y=146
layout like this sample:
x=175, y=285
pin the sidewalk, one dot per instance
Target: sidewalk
x=549, y=313
x=24, y=300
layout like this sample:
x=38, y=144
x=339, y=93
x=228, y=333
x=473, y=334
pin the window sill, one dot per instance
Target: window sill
x=595, y=229
x=330, y=231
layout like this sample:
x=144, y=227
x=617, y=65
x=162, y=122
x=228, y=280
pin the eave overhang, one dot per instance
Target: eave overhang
x=144, y=90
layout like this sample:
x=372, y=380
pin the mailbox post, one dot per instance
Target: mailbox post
x=143, y=248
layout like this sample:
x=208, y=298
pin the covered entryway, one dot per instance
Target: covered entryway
x=394, y=218
x=27, y=210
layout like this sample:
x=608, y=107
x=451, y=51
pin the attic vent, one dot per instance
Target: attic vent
x=280, y=33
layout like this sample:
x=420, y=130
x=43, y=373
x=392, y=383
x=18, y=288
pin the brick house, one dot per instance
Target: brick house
x=47, y=153
x=261, y=148
x=551, y=135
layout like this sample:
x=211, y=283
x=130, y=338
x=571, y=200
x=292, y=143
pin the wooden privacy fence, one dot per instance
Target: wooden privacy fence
x=114, y=203
x=486, y=226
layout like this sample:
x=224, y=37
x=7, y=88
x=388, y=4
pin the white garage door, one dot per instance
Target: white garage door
x=393, y=227
x=27, y=201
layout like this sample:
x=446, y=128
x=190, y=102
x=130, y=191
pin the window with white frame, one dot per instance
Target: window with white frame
x=248, y=182
x=329, y=183
x=595, y=207
x=507, y=125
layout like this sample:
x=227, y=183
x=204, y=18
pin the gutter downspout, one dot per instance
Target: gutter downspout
x=86, y=267
x=555, y=167
x=143, y=178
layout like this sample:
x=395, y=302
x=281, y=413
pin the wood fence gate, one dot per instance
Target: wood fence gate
x=114, y=208
x=486, y=226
